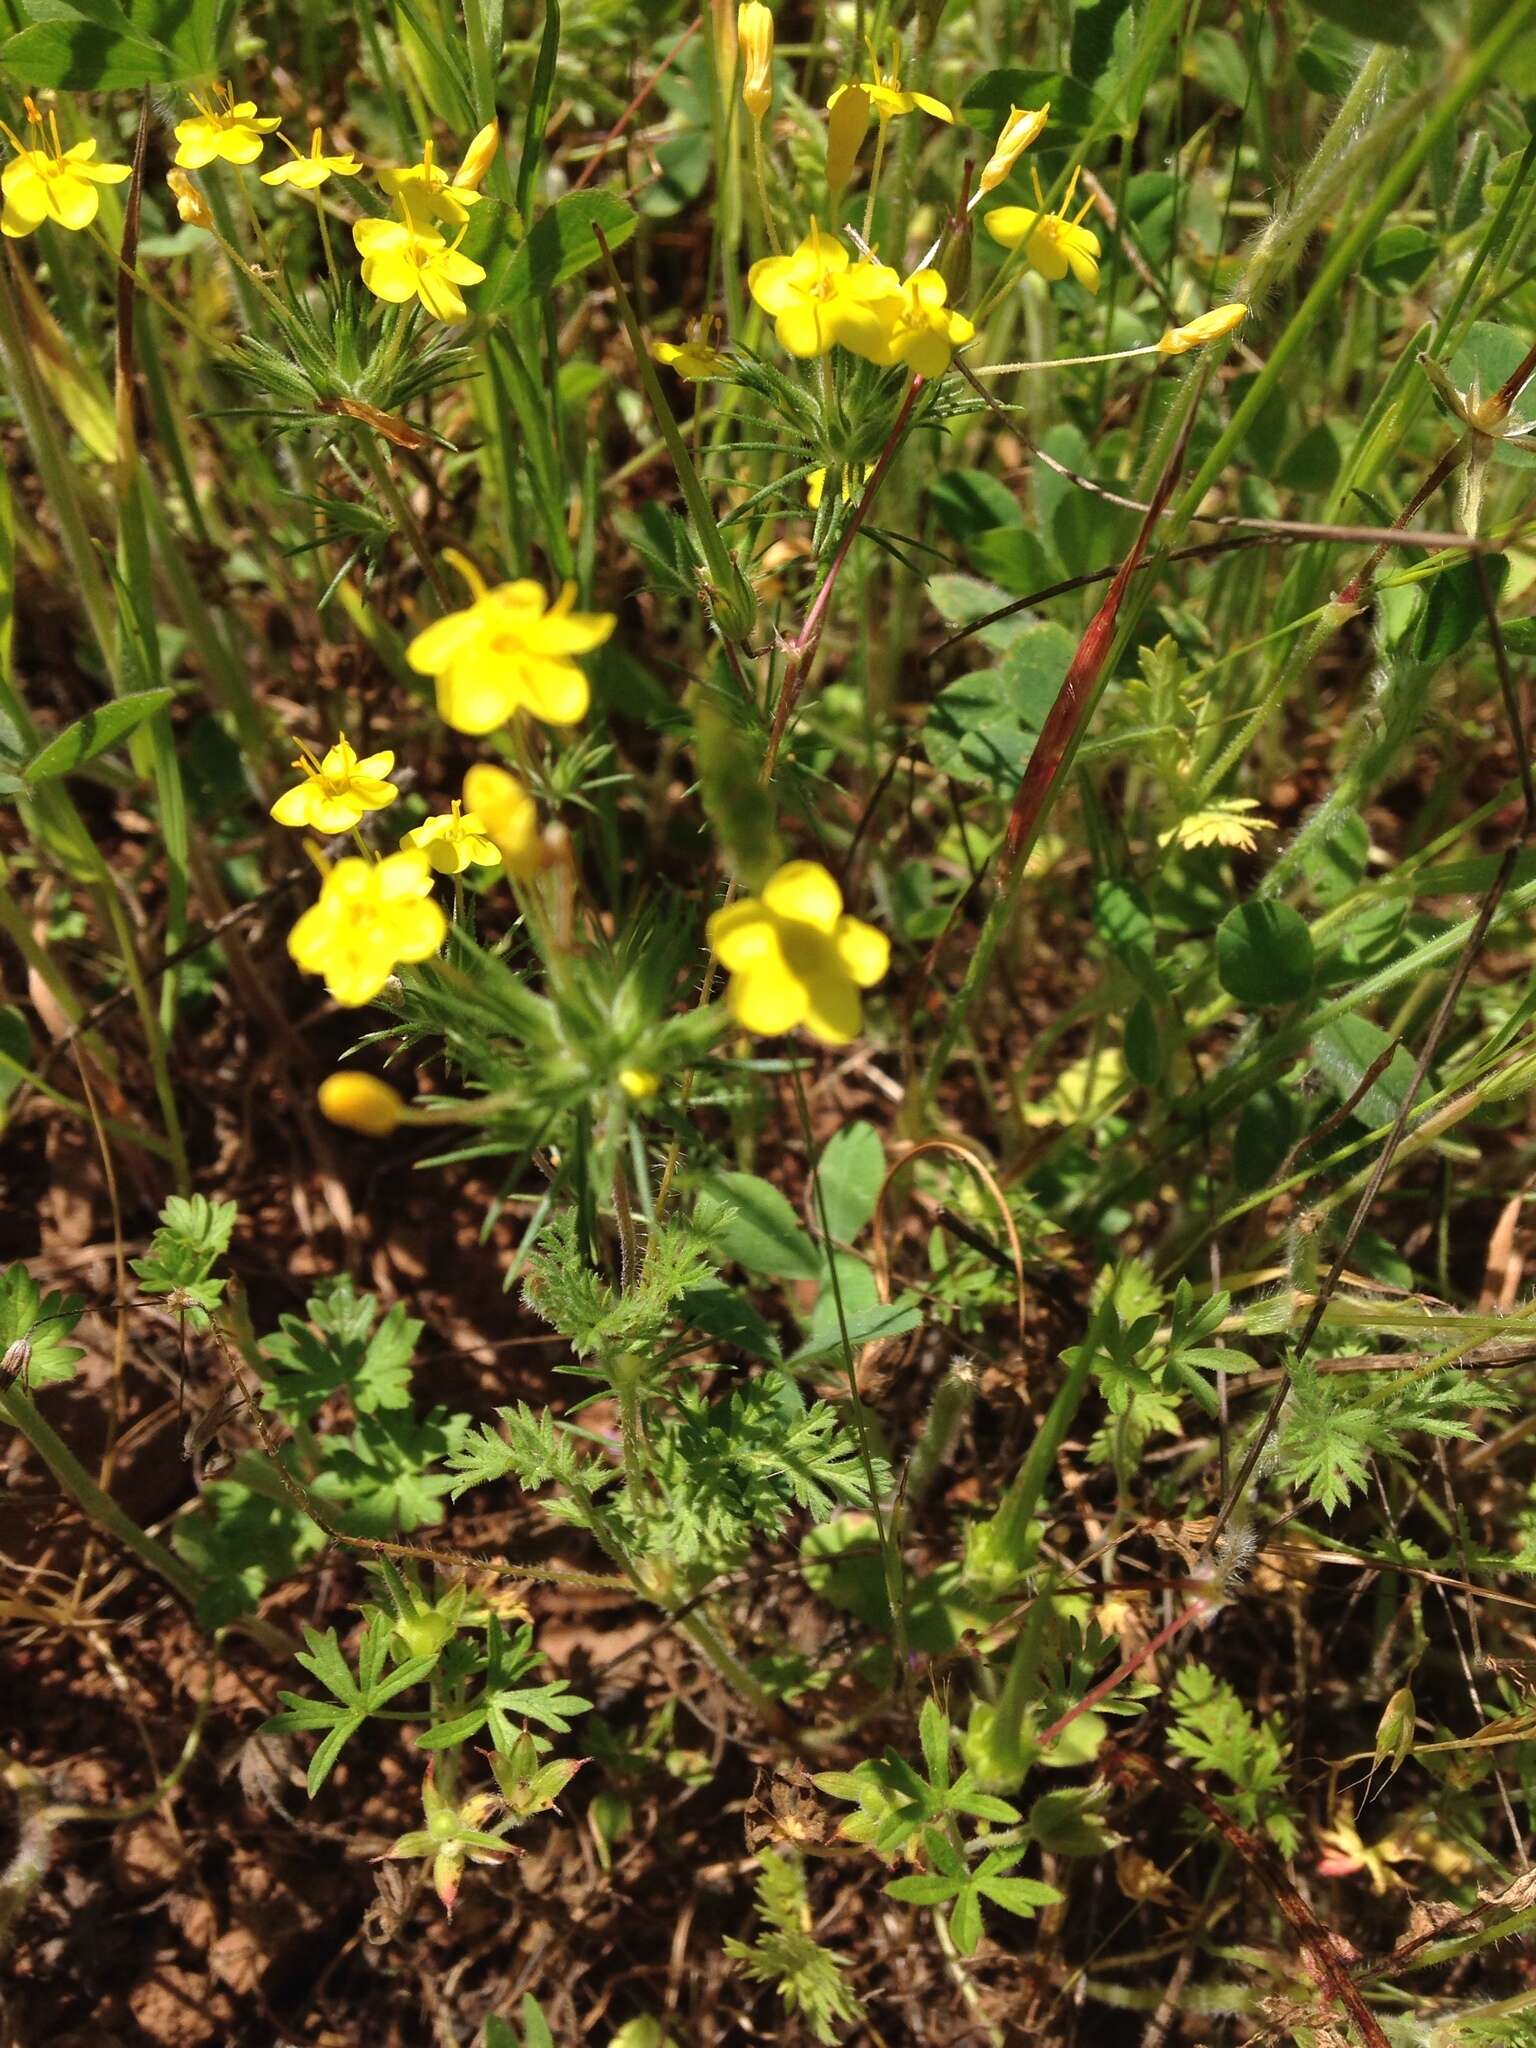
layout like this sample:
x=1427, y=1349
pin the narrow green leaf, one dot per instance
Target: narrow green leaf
x=522, y=270
x=92, y=735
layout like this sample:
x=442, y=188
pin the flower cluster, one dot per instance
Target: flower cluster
x=820, y=299
x=408, y=256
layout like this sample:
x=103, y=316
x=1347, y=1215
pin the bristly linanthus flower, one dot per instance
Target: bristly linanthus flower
x=453, y=840
x=337, y=791
x=401, y=263
x=888, y=96
x=1220, y=320
x=1022, y=128
x=818, y=298
x=310, y=172
x=754, y=32
x=921, y=330
x=358, y=1102
x=508, y=816
x=507, y=651
x=1053, y=244
x=371, y=917
x=697, y=358
x=223, y=129
x=1222, y=823
x=795, y=958
x=424, y=194
x=52, y=182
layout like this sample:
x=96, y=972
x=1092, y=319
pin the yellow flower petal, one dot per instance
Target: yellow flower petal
x=804, y=891
x=864, y=951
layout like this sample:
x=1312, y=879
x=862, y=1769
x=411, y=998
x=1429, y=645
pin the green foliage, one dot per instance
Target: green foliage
x=808, y=1978
x=193, y=1236
x=340, y=1348
x=963, y=1886
x=1335, y=1424
x=1216, y=1733
x=34, y=1331
x=502, y=1701
x=729, y=1470
x=352, y=1700
x=563, y=1288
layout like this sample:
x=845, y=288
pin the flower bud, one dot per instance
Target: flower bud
x=1022, y=127
x=190, y=203
x=847, y=125
x=478, y=158
x=358, y=1102
x=638, y=1083
x=1178, y=341
x=754, y=30
x=508, y=815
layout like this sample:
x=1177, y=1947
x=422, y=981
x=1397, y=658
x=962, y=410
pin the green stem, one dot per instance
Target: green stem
x=406, y=522
x=890, y=1556
x=98, y=1507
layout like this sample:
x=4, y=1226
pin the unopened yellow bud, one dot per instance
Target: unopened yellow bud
x=190, y=203
x=478, y=158
x=754, y=32
x=508, y=817
x=358, y=1102
x=638, y=1083
x=847, y=125
x=1206, y=327
x=1022, y=127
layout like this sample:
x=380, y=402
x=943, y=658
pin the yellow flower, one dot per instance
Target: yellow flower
x=888, y=96
x=360, y=1103
x=795, y=958
x=223, y=128
x=310, y=172
x=1220, y=824
x=52, y=183
x=337, y=791
x=371, y=916
x=638, y=1083
x=920, y=329
x=818, y=298
x=1204, y=327
x=697, y=358
x=1053, y=243
x=190, y=203
x=508, y=817
x=453, y=840
x=754, y=29
x=401, y=262
x=847, y=125
x=851, y=479
x=1023, y=127
x=509, y=651
x=425, y=194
